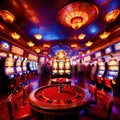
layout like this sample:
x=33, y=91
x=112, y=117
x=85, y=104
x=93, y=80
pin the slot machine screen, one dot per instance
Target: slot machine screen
x=61, y=64
x=108, y=50
x=4, y=46
x=18, y=65
x=31, y=65
x=98, y=54
x=9, y=62
x=67, y=65
x=54, y=65
x=18, y=69
x=24, y=65
x=18, y=62
x=113, y=67
x=42, y=60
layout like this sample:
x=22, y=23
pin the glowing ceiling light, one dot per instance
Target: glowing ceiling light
x=31, y=44
x=81, y=36
x=104, y=35
x=89, y=43
x=38, y=36
x=15, y=35
x=7, y=16
x=46, y=45
x=112, y=15
x=37, y=50
x=74, y=45
x=77, y=14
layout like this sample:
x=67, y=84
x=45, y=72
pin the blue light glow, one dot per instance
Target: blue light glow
x=51, y=36
x=93, y=28
x=47, y=33
x=113, y=5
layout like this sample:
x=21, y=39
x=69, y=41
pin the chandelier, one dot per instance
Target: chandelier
x=7, y=16
x=77, y=14
x=38, y=36
x=112, y=15
x=104, y=35
x=30, y=43
x=15, y=35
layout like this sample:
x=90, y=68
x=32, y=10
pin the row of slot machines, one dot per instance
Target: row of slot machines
x=105, y=74
x=61, y=68
x=13, y=67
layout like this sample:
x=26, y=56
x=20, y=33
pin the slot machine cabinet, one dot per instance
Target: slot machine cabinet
x=102, y=69
x=54, y=68
x=18, y=66
x=116, y=84
x=67, y=68
x=24, y=66
x=24, y=71
x=10, y=72
x=30, y=66
x=61, y=67
x=111, y=76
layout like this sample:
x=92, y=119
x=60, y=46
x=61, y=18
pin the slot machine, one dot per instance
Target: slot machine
x=67, y=68
x=112, y=75
x=10, y=72
x=61, y=67
x=4, y=51
x=24, y=66
x=36, y=66
x=116, y=83
x=102, y=69
x=54, y=68
x=31, y=68
x=18, y=66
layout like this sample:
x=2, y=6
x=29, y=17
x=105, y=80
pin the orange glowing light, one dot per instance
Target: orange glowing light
x=38, y=36
x=81, y=36
x=7, y=16
x=104, y=35
x=89, y=43
x=112, y=15
x=15, y=35
x=77, y=14
x=31, y=44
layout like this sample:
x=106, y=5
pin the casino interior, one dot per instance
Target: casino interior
x=60, y=60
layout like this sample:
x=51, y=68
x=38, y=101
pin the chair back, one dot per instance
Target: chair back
x=108, y=102
x=12, y=105
x=92, y=90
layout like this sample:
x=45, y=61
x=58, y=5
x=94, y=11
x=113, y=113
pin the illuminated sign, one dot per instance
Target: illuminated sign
x=32, y=57
x=17, y=50
x=2, y=54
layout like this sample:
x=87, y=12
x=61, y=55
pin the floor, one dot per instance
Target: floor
x=37, y=82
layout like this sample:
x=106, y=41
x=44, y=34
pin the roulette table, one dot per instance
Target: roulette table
x=59, y=99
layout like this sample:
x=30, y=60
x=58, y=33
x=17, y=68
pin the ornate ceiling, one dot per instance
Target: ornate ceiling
x=41, y=17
